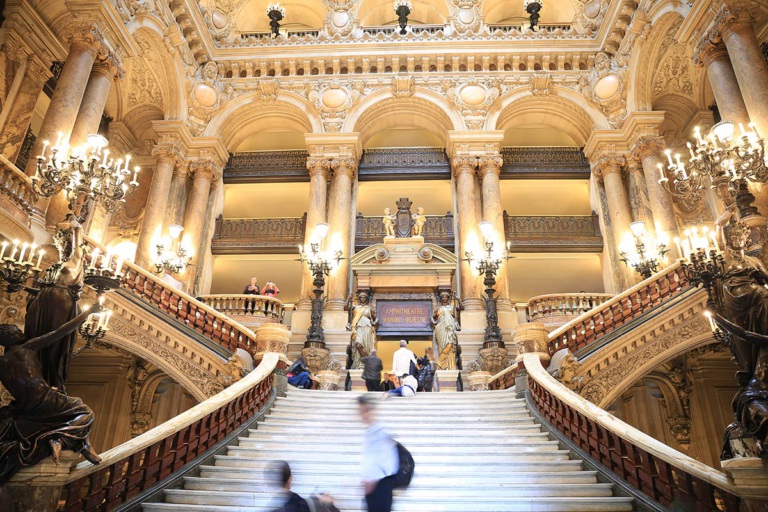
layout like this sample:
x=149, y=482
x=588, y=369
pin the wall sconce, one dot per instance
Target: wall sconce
x=174, y=260
x=402, y=9
x=647, y=254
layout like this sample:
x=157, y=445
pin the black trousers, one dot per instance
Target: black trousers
x=380, y=500
x=372, y=385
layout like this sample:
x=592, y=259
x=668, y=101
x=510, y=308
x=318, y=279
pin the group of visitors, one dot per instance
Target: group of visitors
x=413, y=374
x=270, y=289
x=385, y=464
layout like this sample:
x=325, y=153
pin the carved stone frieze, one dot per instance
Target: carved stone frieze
x=473, y=97
x=605, y=86
x=541, y=84
x=675, y=75
x=403, y=86
x=466, y=16
x=341, y=16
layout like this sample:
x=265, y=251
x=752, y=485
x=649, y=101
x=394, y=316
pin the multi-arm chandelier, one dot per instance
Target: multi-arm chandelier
x=174, y=260
x=729, y=160
x=647, y=253
x=84, y=173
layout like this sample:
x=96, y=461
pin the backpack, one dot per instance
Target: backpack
x=405, y=469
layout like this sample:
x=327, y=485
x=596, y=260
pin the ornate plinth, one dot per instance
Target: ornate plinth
x=356, y=376
x=493, y=359
x=750, y=476
x=329, y=380
x=38, y=488
x=272, y=338
x=446, y=380
x=531, y=338
x=478, y=381
x=317, y=358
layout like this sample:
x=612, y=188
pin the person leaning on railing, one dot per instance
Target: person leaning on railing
x=270, y=290
x=251, y=289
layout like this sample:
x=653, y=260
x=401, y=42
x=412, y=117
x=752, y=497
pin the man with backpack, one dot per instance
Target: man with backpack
x=386, y=464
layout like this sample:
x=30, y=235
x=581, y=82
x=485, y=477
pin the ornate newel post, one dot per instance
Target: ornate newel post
x=530, y=338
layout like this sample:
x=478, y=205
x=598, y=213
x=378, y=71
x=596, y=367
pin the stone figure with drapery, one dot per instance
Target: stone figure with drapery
x=41, y=421
x=55, y=303
x=362, y=323
x=741, y=309
x=445, y=322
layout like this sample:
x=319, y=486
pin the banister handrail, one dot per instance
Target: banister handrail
x=14, y=174
x=646, y=445
x=636, y=292
x=502, y=377
x=137, y=464
x=245, y=304
x=207, y=330
x=565, y=303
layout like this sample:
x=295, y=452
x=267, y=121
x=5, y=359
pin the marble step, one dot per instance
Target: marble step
x=245, y=480
x=252, y=456
x=461, y=431
x=255, y=468
x=469, y=422
x=549, y=504
x=399, y=402
x=409, y=438
x=471, y=396
x=249, y=447
x=407, y=414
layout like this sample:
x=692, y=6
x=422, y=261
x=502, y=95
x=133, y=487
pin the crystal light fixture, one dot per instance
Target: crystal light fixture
x=84, y=173
x=403, y=9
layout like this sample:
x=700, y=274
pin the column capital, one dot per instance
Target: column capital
x=649, y=146
x=86, y=35
x=319, y=166
x=181, y=169
x=489, y=164
x=167, y=151
x=736, y=16
x=608, y=163
x=709, y=49
x=344, y=165
x=634, y=165
x=37, y=71
x=464, y=164
x=205, y=169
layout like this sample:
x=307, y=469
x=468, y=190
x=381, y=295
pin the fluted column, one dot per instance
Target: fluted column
x=167, y=155
x=713, y=56
x=489, y=168
x=319, y=172
x=340, y=220
x=664, y=218
x=21, y=107
x=66, y=100
x=619, y=212
x=748, y=64
x=466, y=213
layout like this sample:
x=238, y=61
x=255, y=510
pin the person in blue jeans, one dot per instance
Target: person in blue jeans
x=408, y=388
x=299, y=374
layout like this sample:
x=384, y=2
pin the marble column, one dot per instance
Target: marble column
x=167, y=155
x=489, y=168
x=619, y=211
x=174, y=213
x=713, y=56
x=203, y=174
x=339, y=220
x=319, y=172
x=638, y=195
x=21, y=107
x=749, y=65
x=65, y=103
x=469, y=239
x=94, y=101
x=664, y=218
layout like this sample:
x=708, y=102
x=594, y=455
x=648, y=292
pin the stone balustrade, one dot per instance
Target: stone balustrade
x=619, y=310
x=135, y=466
x=554, y=310
x=247, y=309
x=667, y=476
x=18, y=196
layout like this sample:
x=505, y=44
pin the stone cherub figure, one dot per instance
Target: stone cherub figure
x=419, y=219
x=42, y=420
x=389, y=222
x=235, y=371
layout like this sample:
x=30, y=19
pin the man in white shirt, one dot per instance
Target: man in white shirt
x=408, y=388
x=380, y=460
x=401, y=361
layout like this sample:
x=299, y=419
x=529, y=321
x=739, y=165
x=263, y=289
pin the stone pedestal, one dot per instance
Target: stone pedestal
x=317, y=358
x=329, y=380
x=357, y=382
x=446, y=380
x=493, y=359
x=531, y=338
x=38, y=488
x=478, y=381
x=272, y=338
x=750, y=476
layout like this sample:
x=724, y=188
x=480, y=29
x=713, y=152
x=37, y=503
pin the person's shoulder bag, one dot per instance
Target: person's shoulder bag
x=405, y=469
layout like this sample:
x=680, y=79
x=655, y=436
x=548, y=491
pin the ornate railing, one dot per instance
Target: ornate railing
x=300, y=33
x=561, y=305
x=658, y=471
x=187, y=310
x=523, y=26
x=266, y=166
x=438, y=230
x=259, y=307
x=620, y=310
x=544, y=162
x=404, y=163
x=505, y=379
x=573, y=233
x=271, y=235
x=17, y=187
x=134, y=466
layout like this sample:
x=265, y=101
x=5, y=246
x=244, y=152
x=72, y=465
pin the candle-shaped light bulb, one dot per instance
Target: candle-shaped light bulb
x=669, y=156
x=31, y=253
x=127, y=161
x=39, y=258
x=135, y=173
x=753, y=126
x=690, y=150
x=118, y=266
x=106, y=154
x=15, y=248
x=106, y=260
x=2, y=253
x=94, y=255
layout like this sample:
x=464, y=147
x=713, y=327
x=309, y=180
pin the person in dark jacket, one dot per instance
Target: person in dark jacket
x=251, y=289
x=299, y=374
x=427, y=367
x=372, y=368
x=278, y=473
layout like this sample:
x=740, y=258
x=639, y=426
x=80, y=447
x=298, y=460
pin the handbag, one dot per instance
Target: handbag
x=405, y=469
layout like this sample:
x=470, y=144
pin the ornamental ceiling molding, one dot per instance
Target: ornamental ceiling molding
x=144, y=86
x=341, y=17
x=465, y=16
x=605, y=86
x=675, y=74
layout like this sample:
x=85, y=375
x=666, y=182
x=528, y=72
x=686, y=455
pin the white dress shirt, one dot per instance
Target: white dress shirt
x=380, y=458
x=409, y=386
x=401, y=361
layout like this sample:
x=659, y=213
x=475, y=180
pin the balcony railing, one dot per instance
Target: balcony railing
x=251, y=236
x=522, y=26
x=438, y=230
x=416, y=29
x=544, y=162
x=554, y=233
x=300, y=33
x=404, y=164
x=266, y=166
x=246, y=308
x=562, y=307
x=16, y=187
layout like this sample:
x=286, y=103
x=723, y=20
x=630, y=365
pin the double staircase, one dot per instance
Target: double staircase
x=474, y=452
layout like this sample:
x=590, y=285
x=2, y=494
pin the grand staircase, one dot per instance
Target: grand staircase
x=474, y=452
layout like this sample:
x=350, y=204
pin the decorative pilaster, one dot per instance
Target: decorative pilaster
x=712, y=54
x=340, y=221
x=319, y=173
x=489, y=168
x=167, y=154
x=664, y=219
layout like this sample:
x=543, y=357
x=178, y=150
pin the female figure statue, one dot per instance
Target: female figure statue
x=55, y=303
x=445, y=321
x=362, y=323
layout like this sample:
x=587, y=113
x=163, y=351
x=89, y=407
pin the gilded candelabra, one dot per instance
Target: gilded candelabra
x=17, y=268
x=647, y=254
